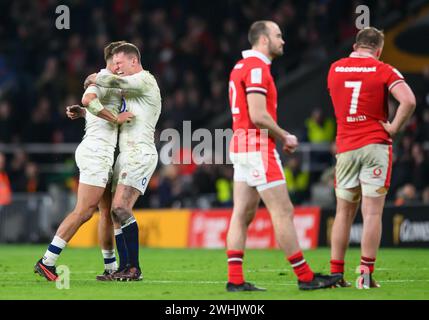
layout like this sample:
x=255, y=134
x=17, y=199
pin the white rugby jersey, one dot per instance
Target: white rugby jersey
x=143, y=99
x=97, y=129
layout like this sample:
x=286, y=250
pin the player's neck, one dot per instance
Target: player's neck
x=138, y=69
x=364, y=53
x=110, y=66
x=263, y=51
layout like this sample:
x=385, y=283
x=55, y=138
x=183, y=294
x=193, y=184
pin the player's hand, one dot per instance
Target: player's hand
x=90, y=80
x=124, y=117
x=75, y=112
x=388, y=127
x=290, y=143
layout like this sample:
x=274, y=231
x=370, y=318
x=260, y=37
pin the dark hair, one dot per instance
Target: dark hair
x=109, y=48
x=128, y=48
x=257, y=29
x=370, y=38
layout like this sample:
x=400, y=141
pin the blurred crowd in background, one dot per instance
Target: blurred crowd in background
x=190, y=46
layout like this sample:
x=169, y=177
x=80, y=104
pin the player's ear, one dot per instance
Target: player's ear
x=263, y=39
x=355, y=47
x=378, y=52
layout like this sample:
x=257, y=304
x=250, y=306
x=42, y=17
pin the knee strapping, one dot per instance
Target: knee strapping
x=369, y=190
x=348, y=195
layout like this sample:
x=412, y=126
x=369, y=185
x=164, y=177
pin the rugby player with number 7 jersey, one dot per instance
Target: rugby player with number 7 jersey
x=359, y=86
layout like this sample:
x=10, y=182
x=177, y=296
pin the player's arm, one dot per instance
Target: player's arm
x=133, y=83
x=91, y=102
x=262, y=119
x=407, y=104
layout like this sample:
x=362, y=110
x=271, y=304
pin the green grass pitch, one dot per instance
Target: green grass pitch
x=198, y=274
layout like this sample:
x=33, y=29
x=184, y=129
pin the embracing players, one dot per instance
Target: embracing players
x=94, y=158
x=138, y=155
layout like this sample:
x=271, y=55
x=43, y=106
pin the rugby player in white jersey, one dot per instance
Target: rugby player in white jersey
x=138, y=156
x=94, y=157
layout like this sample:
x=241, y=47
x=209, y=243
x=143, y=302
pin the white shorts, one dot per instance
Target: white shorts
x=94, y=163
x=370, y=165
x=134, y=169
x=258, y=171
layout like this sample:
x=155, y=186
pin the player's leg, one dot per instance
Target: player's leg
x=344, y=217
x=348, y=194
x=123, y=202
x=246, y=201
x=119, y=236
x=280, y=207
x=347, y=205
x=120, y=243
x=275, y=195
x=105, y=235
x=88, y=198
x=375, y=181
x=278, y=203
x=133, y=178
x=372, y=211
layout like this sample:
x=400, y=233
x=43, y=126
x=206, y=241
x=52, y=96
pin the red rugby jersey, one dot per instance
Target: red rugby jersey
x=359, y=87
x=251, y=74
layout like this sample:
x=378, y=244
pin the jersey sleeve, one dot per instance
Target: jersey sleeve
x=137, y=83
x=98, y=91
x=392, y=76
x=257, y=80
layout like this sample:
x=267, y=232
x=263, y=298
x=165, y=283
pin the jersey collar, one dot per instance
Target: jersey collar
x=256, y=54
x=105, y=71
x=355, y=54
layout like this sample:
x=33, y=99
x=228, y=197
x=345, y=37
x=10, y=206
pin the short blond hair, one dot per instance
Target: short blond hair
x=370, y=38
x=257, y=29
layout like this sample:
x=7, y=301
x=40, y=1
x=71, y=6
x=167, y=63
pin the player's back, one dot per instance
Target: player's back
x=97, y=130
x=359, y=86
x=250, y=75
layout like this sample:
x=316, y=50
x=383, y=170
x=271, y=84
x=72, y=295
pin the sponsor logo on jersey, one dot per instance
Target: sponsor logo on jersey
x=356, y=69
x=255, y=173
x=377, y=172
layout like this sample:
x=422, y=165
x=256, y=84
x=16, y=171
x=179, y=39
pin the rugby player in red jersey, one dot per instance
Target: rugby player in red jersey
x=258, y=172
x=359, y=86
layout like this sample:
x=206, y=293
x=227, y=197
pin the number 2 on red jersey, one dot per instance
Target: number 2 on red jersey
x=233, y=98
